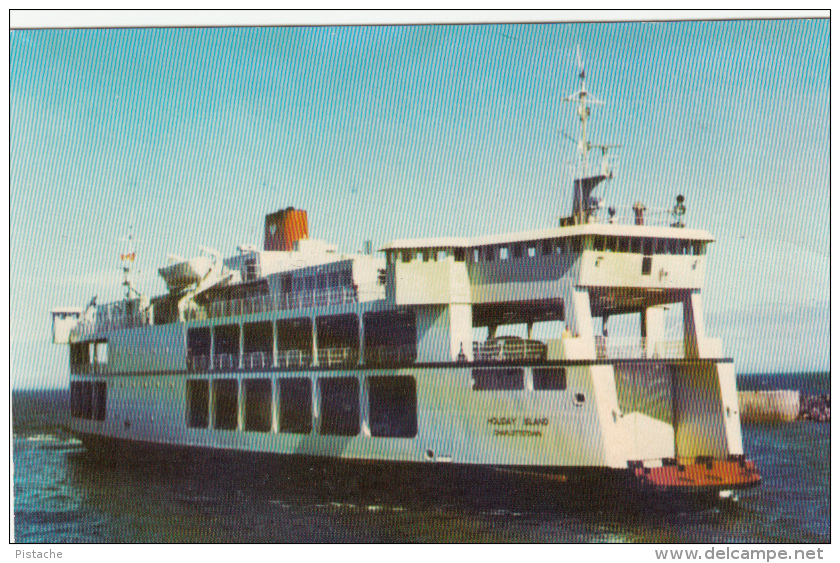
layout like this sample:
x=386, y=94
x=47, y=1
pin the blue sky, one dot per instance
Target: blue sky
x=192, y=135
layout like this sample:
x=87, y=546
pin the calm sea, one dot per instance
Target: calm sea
x=64, y=494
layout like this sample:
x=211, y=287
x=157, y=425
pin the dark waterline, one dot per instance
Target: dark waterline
x=65, y=494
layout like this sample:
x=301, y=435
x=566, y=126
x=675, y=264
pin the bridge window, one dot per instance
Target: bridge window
x=549, y=379
x=406, y=256
x=476, y=255
x=258, y=405
x=198, y=403
x=517, y=251
x=490, y=253
x=339, y=406
x=561, y=246
x=393, y=406
x=546, y=246
x=624, y=244
x=503, y=253
x=532, y=251
x=226, y=403
x=441, y=255
x=460, y=255
x=498, y=379
x=295, y=397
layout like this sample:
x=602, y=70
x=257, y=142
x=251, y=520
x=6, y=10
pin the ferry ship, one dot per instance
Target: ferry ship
x=297, y=349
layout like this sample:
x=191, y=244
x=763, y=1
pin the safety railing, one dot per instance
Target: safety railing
x=294, y=358
x=627, y=215
x=330, y=297
x=328, y=357
x=257, y=360
x=612, y=348
x=390, y=355
x=225, y=362
x=508, y=350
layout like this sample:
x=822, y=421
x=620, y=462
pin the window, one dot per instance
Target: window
x=393, y=406
x=86, y=410
x=390, y=338
x=599, y=243
x=258, y=405
x=648, y=246
x=489, y=254
x=546, y=246
x=647, y=263
x=198, y=403
x=549, y=379
x=226, y=403
x=441, y=255
x=636, y=245
x=339, y=406
x=476, y=255
x=532, y=251
x=102, y=353
x=517, y=251
x=295, y=397
x=100, y=399
x=460, y=255
x=499, y=379
x=503, y=253
x=624, y=244
x=76, y=399
x=561, y=246
x=406, y=256
x=699, y=248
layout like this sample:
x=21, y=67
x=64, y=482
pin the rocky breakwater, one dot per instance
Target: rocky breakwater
x=783, y=405
x=815, y=407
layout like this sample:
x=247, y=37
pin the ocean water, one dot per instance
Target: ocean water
x=62, y=493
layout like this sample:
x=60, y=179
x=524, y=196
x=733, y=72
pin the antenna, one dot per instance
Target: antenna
x=585, y=182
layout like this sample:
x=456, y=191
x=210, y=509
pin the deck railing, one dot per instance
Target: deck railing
x=328, y=357
x=508, y=350
x=612, y=348
x=282, y=301
x=390, y=355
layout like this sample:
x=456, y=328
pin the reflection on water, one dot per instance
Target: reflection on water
x=64, y=494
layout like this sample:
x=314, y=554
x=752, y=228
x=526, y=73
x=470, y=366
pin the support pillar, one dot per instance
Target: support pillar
x=653, y=329
x=212, y=348
x=694, y=329
x=241, y=345
x=315, y=362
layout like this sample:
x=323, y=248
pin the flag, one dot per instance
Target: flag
x=127, y=257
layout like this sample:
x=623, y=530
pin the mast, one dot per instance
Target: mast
x=127, y=259
x=584, y=182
